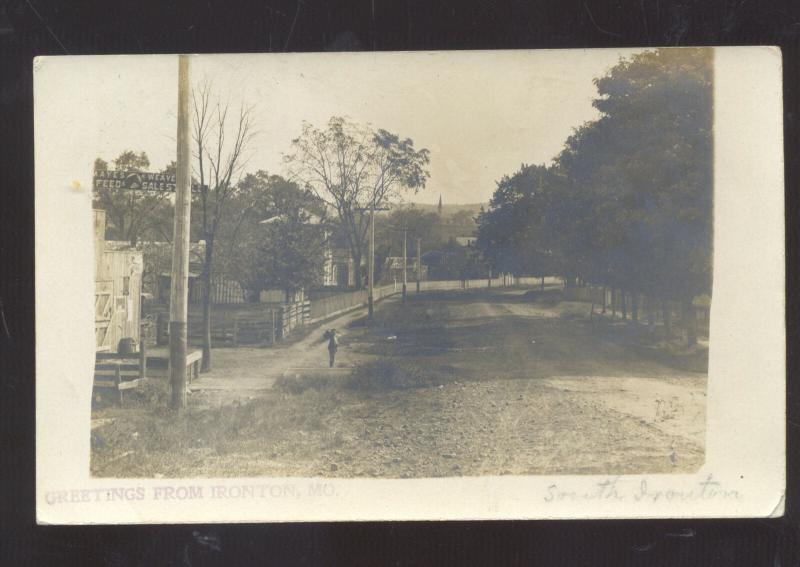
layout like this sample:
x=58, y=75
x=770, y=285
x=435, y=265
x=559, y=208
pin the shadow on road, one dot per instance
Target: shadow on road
x=515, y=334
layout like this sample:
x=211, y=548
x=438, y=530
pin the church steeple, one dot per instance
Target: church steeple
x=440, y=205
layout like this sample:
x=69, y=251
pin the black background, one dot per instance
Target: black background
x=38, y=27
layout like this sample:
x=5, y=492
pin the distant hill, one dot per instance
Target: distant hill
x=451, y=226
x=449, y=210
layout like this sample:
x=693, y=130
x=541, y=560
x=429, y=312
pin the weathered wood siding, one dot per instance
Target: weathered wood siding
x=118, y=291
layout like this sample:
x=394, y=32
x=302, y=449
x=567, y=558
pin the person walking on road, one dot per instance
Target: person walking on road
x=333, y=346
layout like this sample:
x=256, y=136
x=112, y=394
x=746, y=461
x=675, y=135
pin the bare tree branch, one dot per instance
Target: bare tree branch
x=219, y=161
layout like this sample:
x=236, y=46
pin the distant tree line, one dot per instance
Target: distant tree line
x=628, y=202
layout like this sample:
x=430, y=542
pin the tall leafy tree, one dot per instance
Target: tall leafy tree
x=513, y=233
x=290, y=255
x=351, y=168
x=628, y=202
x=276, y=237
x=646, y=166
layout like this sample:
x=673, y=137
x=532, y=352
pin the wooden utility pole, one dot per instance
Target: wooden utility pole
x=370, y=282
x=405, y=264
x=419, y=261
x=179, y=299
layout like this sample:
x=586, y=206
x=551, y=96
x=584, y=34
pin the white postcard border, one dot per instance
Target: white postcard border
x=744, y=473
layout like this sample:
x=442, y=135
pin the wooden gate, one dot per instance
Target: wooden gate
x=103, y=314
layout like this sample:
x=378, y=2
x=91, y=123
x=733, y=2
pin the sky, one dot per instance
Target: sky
x=481, y=114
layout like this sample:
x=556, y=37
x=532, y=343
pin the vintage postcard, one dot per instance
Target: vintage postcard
x=395, y=286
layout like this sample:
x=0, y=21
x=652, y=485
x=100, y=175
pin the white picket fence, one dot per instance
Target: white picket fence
x=334, y=304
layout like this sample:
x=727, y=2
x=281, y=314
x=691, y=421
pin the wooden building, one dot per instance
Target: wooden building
x=118, y=290
x=339, y=268
x=393, y=269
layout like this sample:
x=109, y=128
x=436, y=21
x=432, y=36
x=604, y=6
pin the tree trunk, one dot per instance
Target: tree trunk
x=667, y=321
x=359, y=283
x=252, y=295
x=624, y=304
x=690, y=323
x=205, y=365
x=635, y=306
x=542, y=283
x=650, y=309
x=613, y=302
x=604, y=301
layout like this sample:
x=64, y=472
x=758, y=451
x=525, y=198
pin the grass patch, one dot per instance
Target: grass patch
x=378, y=376
x=301, y=382
x=414, y=315
x=384, y=375
x=412, y=329
x=428, y=312
x=547, y=298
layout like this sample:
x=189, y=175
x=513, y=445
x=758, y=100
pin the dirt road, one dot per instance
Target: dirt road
x=517, y=386
x=244, y=373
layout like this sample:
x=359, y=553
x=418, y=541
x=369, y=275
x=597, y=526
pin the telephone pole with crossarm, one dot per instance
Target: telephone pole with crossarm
x=179, y=299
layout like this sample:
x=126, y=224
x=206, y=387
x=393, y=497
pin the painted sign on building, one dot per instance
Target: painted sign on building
x=137, y=181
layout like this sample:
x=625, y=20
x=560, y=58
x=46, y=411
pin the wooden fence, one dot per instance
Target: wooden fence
x=505, y=280
x=330, y=305
x=223, y=292
x=327, y=304
x=229, y=292
x=242, y=323
x=231, y=325
x=294, y=315
x=638, y=305
x=265, y=331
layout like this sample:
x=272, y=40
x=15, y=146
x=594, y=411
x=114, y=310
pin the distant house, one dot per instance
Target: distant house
x=466, y=240
x=339, y=267
x=393, y=269
x=435, y=258
x=311, y=218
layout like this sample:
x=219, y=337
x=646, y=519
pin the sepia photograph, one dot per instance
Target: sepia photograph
x=409, y=285
x=455, y=275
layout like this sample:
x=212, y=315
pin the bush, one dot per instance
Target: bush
x=385, y=375
x=299, y=383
